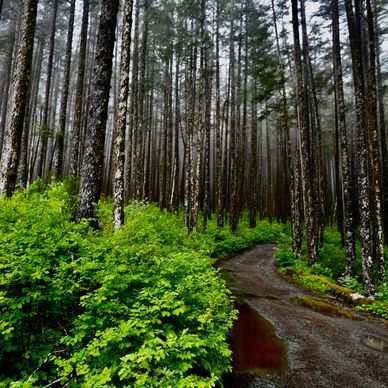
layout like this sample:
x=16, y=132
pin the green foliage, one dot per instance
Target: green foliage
x=351, y=282
x=142, y=306
x=379, y=309
x=327, y=276
x=382, y=293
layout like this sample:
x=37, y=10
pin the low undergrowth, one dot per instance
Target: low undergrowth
x=142, y=306
x=327, y=276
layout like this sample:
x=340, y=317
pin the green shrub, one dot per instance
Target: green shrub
x=352, y=283
x=379, y=309
x=142, y=306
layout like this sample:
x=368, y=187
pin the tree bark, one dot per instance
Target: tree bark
x=20, y=85
x=344, y=155
x=354, y=27
x=311, y=240
x=139, y=150
x=374, y=146
x=92, y=167
x=120, y=124
x=45, y=129
x=218, y=165
x=76, y=136
x=59, y=155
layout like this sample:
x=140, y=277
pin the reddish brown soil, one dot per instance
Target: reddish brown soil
x=320, y=350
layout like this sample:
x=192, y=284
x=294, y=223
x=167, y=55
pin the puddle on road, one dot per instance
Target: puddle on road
x=322, y=307
x=375, y=343
x=255, y=346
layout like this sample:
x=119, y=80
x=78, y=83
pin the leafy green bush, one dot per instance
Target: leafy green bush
x=352, y=283
x=379, y=309
x=139, y=307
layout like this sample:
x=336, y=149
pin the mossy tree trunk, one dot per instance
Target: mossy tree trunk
x=60, y=149
x=121, y=120
x=346, y=185
x=92, y=167
x=76, y=136
x=17, y=105
x=354, y=26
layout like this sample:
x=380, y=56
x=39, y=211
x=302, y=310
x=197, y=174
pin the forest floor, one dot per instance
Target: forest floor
x=287, y=337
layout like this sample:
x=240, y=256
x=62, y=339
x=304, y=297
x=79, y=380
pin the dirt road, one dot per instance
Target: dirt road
x=281, y=341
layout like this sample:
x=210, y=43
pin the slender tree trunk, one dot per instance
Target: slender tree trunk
x=374, y=146
x=76, y=137
x=233, y=212
x=383, y=134
x=120, y=124
x=9, y=55
x=175, y=188
x=59, y=156
x=208, y=105
x=218, y=165
x=253, y=166
x=188, y=142
x=344, y=155
x=309, y=213
x=45, y=130
x=139, y=161
x=163, y=140
x=133, y=113
x=92, y=167
x=354, y=20
x=20, y=85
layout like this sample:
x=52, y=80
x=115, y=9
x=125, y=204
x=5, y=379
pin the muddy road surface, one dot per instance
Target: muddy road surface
x=286, y=337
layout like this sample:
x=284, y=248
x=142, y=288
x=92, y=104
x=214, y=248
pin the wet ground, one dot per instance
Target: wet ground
x=285, y=337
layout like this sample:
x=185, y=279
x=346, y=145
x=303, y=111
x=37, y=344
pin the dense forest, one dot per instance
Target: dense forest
x=245, y=115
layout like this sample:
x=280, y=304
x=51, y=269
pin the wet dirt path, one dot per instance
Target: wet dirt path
x=277, y=342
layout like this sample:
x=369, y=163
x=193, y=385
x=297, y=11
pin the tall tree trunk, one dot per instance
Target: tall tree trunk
x=9, y=55
x=309, y=213
x=344, y=155
x=139, y=150
x=383, y=133
x=33, y=109
x=218, y=165
x=207, y=117
x=190, y=92
x=20, y=85
x=374, y=146
x=354, y=21
x=59, y=156
x=175, y=185
x=253, y=166
x=163, y=171
x=233, y=212
x=133, y=113
x=76, y=137
x=45, y=130
x=92, y=167
x=120, y=124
